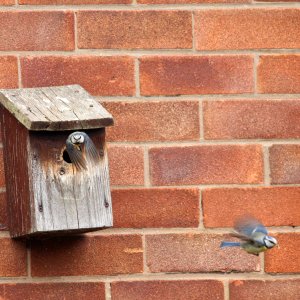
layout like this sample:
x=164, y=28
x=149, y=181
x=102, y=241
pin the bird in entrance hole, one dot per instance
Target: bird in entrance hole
x=81, y=150
x=253, y=235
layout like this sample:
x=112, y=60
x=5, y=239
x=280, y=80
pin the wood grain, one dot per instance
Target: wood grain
x=55, y=108
x=65, y=198
x=15, y=149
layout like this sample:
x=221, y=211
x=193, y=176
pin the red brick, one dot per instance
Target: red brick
x=53, y=290
x=168, y=290
x=196, y=253
x=247, y=28
x=39, y=30
x=2, y=172
x=73, y=2
x=87, y=255
x=190, y=1
x=285, y=163
x=265, y=289
x=135, y=29
x=282, y=202
x=12, y=258
x=7, y=2
x=206, y=164
x=251, y=119
x=126, y=165
x=279, y=74
x=154, y=121
x=285, y=258
x=3, y=212
x=140, y=208
x=176, y=75
x=104, y=76
x=8, y=72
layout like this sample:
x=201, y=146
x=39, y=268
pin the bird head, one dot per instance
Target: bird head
x=77, y=138
x=270, y=241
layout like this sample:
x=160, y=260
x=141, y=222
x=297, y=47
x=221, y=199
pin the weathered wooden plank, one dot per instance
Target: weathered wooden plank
x=15, y=146
x=64, y=197
x=25, y=115
x=55, y=108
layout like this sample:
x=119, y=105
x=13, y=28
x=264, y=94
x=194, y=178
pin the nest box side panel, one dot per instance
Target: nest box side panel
x=16, y=152
x=66, y=199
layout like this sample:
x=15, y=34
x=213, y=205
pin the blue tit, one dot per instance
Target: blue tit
x=81, y=150
x=253, y=235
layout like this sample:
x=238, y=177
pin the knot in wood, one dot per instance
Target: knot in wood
x=62, y=171
x=101, y=152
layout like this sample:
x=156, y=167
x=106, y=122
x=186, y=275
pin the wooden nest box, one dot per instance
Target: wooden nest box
x=56, y=166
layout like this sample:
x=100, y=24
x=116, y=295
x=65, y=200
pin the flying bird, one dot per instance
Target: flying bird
x=81, y=150
x=253, y=235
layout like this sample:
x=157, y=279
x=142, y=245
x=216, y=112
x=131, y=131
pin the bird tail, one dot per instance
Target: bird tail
x=230, y=244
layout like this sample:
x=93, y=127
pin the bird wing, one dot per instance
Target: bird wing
x=249, y=229
x=240, y=236
x=90, y=150
x=76, y=156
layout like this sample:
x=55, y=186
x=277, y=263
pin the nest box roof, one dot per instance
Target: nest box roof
x=55, y=108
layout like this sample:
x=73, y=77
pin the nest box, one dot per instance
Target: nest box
x=48, y=191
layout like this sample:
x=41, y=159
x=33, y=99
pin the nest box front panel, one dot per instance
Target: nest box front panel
x=65, y=197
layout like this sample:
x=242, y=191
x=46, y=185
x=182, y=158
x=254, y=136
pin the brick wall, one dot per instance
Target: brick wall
x=206, y=100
